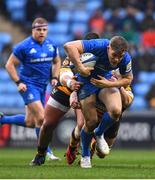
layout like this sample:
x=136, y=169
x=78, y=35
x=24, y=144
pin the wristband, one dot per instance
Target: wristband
x=68, y=83
x=18, y=82
x=54, y=78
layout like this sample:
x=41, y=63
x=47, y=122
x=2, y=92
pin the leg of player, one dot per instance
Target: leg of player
x=112, y=115
x=15, y=119
x=111, y=133
x=90, y=123
x=54, y=111
x=72, y=148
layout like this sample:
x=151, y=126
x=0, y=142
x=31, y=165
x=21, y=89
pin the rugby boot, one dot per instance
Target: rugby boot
x=38, y=160
x=52, y=157
x=71, y=153
x=101, y=145
x=85, y=162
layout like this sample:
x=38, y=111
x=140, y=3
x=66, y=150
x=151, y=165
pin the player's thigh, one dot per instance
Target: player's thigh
x=36, y=109
x=88, y=107
x=29, y=118
x=54, y=111
x=111, y=98
x=52, y=114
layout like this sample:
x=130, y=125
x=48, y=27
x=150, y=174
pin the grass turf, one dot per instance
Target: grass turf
x=120, y=164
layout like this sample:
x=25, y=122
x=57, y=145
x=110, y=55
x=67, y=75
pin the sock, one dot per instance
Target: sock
x=48, y=149
x=105, y=123
x=42, y=150
x=85, y=142
x=16, y=119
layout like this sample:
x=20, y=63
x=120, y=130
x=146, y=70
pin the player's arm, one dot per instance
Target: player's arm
x=55, y=70
x=73, y=50
x=10, y=66
x=104, y=83
x=67, y=79
x=126, y=96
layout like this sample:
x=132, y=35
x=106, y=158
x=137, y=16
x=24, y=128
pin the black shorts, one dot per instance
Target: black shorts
x=60, y=97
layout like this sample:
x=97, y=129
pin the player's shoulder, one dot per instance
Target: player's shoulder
x=50, y=41
x=101, y=40
x=24, y=43
x=127, y=57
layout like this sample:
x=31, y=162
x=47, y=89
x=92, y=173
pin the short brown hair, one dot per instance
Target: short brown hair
x=119, y=44
x=39, y=20
x=91, y=35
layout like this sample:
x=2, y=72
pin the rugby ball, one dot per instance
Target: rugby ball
x=87, y=59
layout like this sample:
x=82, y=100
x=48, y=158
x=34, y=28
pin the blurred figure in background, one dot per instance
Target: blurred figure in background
x=48, y=11
x=5, y=54
x=31, y=10
x=97, y=22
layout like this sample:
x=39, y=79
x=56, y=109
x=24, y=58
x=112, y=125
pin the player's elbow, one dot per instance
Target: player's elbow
x=7, y=66
x=68, y=46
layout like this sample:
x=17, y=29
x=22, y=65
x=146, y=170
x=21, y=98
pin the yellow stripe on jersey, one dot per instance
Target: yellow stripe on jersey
x=64, y=89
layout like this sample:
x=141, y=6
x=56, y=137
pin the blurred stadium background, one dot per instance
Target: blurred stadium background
x=70, y=20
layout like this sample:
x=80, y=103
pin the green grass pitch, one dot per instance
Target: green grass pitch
x=120, y=164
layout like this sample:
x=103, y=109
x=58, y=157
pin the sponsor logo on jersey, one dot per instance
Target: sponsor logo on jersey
x=43, y=55
x=50, y=47
x=30, y=96
x=32, y=51
x=128, y=67
x=41, y=59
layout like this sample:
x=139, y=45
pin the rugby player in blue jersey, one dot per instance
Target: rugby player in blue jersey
x=38, y=58
x=112, y=55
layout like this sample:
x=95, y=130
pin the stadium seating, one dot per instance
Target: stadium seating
x=78, y=26
x=64, y=16
x=15, y=9
x=146, y=77
x=58, y=28
x=141, y=89
x=139, y=103
x=5, y=38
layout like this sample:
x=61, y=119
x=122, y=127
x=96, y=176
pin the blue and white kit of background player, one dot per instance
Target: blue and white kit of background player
x=98, y=47
x=35, y=69
x=36, y=61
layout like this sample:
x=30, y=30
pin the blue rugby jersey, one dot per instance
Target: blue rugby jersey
x=36, y=60
x=98, y=47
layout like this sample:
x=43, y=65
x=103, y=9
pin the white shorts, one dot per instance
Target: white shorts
x=52, y=102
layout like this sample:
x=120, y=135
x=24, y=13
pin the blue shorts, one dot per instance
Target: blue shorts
x=88, y=88
x=32, y=94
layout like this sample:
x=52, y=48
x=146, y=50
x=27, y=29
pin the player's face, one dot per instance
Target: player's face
x=40, y=33
x=114, y=58
x=66, y=62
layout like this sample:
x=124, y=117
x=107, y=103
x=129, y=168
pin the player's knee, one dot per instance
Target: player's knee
x=39, y=121
x=91, y=124
x=48, y=125
x=30, y=123
x=116, y=113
